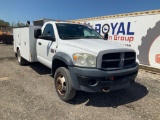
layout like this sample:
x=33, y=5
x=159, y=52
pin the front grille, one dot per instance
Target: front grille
x=118, y=60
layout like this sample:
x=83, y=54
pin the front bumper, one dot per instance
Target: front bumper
x=95, y=80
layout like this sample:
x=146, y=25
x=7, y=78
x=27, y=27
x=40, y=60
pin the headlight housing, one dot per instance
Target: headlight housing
x=84, y=60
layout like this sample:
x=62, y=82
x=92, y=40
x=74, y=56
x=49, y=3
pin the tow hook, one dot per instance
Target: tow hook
x=105, y=89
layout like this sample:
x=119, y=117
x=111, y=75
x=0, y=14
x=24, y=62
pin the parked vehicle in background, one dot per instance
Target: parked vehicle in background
x=5, y=35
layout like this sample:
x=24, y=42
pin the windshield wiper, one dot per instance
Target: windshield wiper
x=92, y=37
x=79, y=37
x=71, y=37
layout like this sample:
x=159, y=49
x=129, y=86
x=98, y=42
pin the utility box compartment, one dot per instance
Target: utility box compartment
x=25, y=41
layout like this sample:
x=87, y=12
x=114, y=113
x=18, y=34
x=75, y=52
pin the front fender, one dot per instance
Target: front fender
x=63, y=57
x=60, y=57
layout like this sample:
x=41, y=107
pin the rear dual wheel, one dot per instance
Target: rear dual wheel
x=21, y=60
x=63, y=85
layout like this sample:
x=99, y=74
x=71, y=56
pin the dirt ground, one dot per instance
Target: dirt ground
x=28, y=93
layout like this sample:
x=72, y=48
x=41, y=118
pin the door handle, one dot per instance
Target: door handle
x=39, y=43
x=52, y=50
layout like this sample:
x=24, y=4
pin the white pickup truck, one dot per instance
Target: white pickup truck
x=79, y=58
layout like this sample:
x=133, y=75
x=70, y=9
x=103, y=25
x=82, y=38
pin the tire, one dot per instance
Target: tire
x=147, y=41
x=63, y=86
x=21, y=60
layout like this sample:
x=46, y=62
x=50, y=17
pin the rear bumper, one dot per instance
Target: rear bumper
x=95, y=80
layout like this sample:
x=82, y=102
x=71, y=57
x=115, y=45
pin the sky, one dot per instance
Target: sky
x=24, y=10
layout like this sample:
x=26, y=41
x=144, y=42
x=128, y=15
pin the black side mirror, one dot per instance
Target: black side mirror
x=28, y=23
x=37, y=33
x=106, y=36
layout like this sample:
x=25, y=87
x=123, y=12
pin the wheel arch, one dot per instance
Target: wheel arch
x=60, y=60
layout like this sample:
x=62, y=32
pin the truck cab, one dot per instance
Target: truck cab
x=55, y=33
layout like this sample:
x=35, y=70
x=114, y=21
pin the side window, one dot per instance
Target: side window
x=48, y=30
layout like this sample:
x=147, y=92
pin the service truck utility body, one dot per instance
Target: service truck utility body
x=78, y=57
x=25, y=41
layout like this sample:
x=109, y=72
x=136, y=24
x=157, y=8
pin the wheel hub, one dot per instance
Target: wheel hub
x=61, y=84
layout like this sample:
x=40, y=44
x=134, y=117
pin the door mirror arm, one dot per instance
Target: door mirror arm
x=106, y=36
x=47, y=38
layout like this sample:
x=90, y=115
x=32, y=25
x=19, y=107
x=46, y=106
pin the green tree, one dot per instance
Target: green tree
x=4, y=23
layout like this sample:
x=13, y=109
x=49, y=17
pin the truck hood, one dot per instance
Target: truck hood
x=93, y=45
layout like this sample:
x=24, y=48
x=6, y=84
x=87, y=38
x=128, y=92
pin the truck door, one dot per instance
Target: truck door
x=46, y=48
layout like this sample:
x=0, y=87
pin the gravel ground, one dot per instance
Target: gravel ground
x=27, y=93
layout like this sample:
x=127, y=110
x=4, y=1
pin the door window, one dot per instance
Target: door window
x=48, y=30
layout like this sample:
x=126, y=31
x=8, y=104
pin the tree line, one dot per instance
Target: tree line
x=4, y=23
x=13, y=24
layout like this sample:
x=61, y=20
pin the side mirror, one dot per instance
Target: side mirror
x=106, y=36
x=37, y=33
x=28, y=23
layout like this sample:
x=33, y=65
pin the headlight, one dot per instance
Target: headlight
x=84, y=59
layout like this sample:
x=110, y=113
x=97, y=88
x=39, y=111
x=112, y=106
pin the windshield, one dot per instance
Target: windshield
x=75, y=31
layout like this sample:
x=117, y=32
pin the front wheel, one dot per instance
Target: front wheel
x=63, y=85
